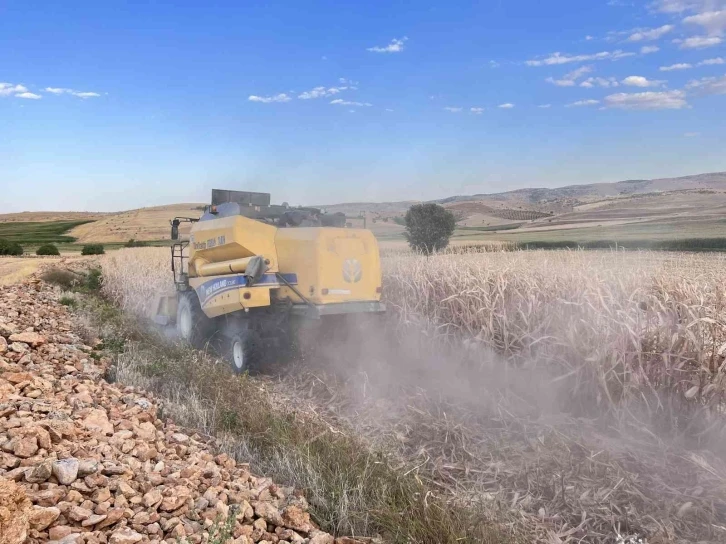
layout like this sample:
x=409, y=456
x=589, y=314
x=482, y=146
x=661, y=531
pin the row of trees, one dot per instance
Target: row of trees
x=10, y=248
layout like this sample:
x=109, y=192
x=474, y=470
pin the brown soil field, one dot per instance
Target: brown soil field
x=142, y=224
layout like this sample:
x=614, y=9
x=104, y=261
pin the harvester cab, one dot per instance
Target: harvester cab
x=251, y=272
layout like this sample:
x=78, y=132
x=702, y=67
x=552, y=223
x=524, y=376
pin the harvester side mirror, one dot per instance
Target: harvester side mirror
x=175, y=229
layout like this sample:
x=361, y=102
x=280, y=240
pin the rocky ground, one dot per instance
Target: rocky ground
x=83, y=461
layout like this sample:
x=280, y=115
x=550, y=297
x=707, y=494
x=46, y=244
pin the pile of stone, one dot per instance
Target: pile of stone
x=83, y=461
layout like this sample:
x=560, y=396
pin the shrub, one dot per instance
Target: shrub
x=93, y=279
x=429, y=227
x=68, y=301
x=47, y=249
x=93, y=249
x=64, y=278
x=10, y=248
x=136, y=243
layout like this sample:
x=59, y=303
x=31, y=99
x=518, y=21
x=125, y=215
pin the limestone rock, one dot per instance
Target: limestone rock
x=32, y=338
x=125, y=536
x=294, y=517
x=66, y=470
x=25, y=447
x=96, y=464
x=39, y=474
x=41, y=517
x=268, y=512
x=97, y=421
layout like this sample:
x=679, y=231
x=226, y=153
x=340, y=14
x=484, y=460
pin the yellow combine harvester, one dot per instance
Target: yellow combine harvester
x=251, y=272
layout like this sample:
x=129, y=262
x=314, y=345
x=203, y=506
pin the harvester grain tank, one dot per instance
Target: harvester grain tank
x=252, y=272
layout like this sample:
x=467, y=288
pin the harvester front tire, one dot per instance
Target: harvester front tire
x=193, y=325
x=245, y=351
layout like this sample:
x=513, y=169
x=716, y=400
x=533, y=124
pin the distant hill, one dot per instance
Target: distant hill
x=715, y=181
x=667, y=207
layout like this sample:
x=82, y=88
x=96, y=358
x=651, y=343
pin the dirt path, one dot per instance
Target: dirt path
x=14, y=269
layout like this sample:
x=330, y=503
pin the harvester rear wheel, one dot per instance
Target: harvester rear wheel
x=244, y=351
x=191, y=322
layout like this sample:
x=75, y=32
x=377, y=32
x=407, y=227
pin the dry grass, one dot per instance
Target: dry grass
x=577, y=394
x=352, y=489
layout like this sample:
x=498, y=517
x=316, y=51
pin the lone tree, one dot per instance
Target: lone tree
x=429, y=227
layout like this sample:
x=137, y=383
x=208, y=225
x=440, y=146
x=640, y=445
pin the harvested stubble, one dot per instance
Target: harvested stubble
x=623, y=429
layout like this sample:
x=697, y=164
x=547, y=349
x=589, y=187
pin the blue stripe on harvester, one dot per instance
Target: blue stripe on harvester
x=211, y=288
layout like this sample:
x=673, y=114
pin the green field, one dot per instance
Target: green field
x=31, y=234
x=37, y=233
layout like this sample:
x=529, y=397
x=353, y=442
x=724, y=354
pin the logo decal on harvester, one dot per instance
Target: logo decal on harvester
x=352, y=270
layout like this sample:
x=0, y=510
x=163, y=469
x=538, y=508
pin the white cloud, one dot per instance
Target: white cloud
x=282, y=97
x=506, y=106
x=691, y=134
x=341, y=102
x=317, y=92
x=591, y=82
x=640, y=81
x=72, y=92
x=396, y=46
x=559, y=58
x=672, y=67
x=17, y=91
x=679, y=6
x=649, y=100
x=648, y=49
x=584, y=103
x=494, y=64
x=545, y=106
x=476, y=111
x=389, y=109
x=712, y=62
x=9, y=89
x=452, y=109
x=708, y=85
x=322, y=92
x=698, y=42
x=570, y=79
x=714, y=22
x=650, y=34
x=588, y=38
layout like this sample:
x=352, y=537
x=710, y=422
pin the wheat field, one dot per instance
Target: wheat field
x=612, y=419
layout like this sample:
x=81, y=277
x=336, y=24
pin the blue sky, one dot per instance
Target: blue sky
x=109, y=105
